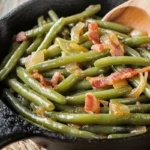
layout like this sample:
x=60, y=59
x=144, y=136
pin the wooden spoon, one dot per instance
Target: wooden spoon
x=133, y=13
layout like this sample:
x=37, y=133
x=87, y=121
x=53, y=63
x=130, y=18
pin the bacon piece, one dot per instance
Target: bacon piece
x=51, y=83
x=42, y=80
x=113, y=43
x=55, y=78
x=92, y=104
x=100, y=82
x=93, y=33
x=21, y=36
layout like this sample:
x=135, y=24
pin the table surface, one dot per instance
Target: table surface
x=7, y=5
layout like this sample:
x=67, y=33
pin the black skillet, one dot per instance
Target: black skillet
x=12, y=126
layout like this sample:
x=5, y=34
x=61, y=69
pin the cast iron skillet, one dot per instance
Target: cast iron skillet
x=12, y=126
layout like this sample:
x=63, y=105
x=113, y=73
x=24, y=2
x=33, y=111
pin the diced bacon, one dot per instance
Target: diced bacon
x=54, y=81
x=93, y=33
x=92, y=104
x=41, y=79
x=21, y=36
x=55, y=78
x=101, y=81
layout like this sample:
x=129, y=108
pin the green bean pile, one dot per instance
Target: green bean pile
x=60, y=107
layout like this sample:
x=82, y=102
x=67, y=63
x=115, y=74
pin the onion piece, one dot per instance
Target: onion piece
x=135, y=93
x=74, y=69
x=76, y=31
x=78, y=47
x=138, y=32
x=35, y=58
x=121, y=84
x=112, y=42
x=118, y=109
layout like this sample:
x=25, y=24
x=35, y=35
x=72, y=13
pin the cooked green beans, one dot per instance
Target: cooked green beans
x=107, y=61
x=30, y=94
x=71, y=88
x=46, y=122
x=9, y=66
x=55, y=63
x=34, y=84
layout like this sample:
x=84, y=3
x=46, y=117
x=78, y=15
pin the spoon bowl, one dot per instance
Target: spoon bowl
x=133, y=13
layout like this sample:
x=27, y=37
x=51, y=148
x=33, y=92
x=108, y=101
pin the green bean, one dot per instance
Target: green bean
x=70, y=81
x=113, y=26
x=30, y=94
x=129, y=101
x=40, y=21
x=67, y=83
x=144, y=52
x=106, y=94
x=76, y=109
x=53, y=51
x=101, y=119
x=108, y=61
x=82, y=85
x=56, y=28
x=87, y=44
x=89, y=91
x=39, y=30
x=124, y=135
x=35, y=85
x=90, y=11
x=52, y=71
x=11, y=52
x=105, y=129
x=131, y=52
x=142, y=108
x=23, y=101
x=55, y=63
x=33, y=47
x=134, y=81
x=68, y=108
x=48, y=20
x=46, y=122
x=9, y=66
x=136, y=41
x=52, y=14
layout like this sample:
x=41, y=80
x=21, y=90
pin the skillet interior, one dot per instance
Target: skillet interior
x=13, y=127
